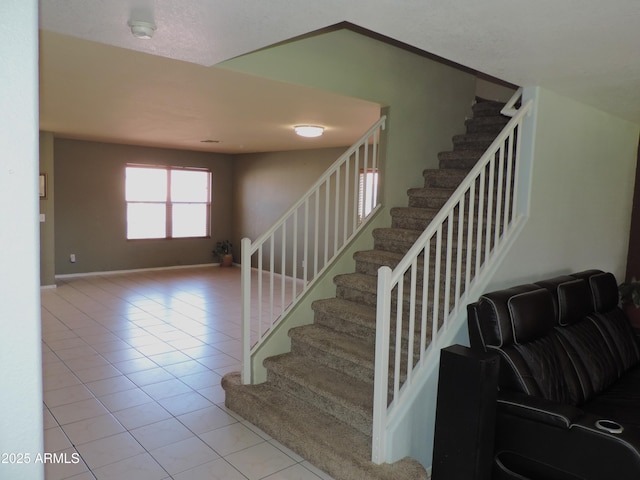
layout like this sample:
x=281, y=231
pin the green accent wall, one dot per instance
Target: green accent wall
x=428, y=101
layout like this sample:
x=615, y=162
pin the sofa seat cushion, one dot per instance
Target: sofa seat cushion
x=620, y=402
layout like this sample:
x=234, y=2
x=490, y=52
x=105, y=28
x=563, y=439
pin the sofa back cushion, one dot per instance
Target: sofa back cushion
x=611, y=321
x=532, y=315
x=489, y=319
x=605, y=291
x=543, y=369
x=574, y=302
x=562, y=339
x=590, y=356
x=519, y=323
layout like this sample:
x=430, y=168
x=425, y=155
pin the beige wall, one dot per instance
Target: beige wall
x=90, y=213
x=267, y=184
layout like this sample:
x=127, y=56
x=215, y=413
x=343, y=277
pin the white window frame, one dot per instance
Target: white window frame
x=169, y=203
x=367, y=191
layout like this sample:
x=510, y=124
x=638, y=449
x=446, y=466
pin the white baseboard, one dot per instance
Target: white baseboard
x=119, y=272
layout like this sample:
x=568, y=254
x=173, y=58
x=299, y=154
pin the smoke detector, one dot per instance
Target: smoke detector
x=142, y=30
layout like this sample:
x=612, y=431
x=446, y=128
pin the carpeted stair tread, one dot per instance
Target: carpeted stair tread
x=486, y=108
x=353, y=355
x=347, y=398
x=331, y=445
x=369, y=261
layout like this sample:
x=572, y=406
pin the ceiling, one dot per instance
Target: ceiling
x=98, y=92
x=99, y=82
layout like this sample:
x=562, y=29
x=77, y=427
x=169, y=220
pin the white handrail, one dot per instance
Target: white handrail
x=440, y=269
x=509, y=109
x=306, y=238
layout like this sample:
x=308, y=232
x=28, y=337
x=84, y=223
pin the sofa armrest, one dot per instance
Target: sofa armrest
x=538, y=409
x=538, y=439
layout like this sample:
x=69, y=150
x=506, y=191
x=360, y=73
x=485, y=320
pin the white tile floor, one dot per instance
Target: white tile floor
x=132, y=366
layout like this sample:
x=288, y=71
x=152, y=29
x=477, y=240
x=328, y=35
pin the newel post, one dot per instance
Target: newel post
x=245, y=286
x=381, y=375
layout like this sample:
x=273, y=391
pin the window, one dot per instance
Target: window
x=368, y=192
x=167, y=202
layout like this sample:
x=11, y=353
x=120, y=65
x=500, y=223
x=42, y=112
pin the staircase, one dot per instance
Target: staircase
x=318, y=399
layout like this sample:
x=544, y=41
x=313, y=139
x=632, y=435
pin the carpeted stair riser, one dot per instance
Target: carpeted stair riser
x=486, y=124
x=444, y=178
x=339, y=395
x=327, y=443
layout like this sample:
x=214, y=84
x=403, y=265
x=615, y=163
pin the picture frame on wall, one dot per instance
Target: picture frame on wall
x=43, y=186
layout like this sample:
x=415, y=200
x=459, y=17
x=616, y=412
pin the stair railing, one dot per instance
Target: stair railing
x=283, y=263
x=431, y=283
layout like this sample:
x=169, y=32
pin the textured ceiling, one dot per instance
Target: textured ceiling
x=584, y=49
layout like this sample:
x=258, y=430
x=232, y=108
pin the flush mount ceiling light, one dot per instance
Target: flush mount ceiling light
x=309, y=130
x=143, y=30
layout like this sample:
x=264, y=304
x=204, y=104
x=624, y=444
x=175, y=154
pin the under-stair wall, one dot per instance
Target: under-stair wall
x=581, y=193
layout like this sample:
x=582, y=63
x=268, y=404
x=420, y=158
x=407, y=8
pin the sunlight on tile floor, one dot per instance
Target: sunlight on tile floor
x=132, y=366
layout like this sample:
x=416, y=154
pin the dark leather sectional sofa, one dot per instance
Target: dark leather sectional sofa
x=569, y=379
